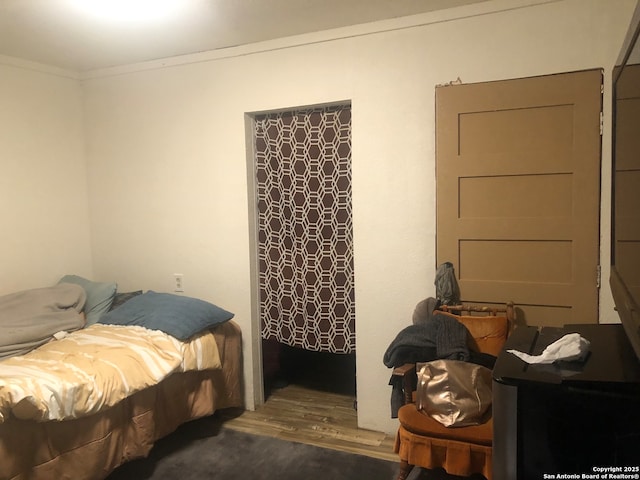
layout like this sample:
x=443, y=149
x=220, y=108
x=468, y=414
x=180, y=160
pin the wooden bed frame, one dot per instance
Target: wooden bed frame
x=90, y=448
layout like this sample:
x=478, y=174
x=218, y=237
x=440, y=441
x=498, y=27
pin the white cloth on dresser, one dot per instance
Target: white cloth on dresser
x=571, y=347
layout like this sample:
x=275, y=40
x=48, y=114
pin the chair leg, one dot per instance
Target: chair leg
x=405, y=470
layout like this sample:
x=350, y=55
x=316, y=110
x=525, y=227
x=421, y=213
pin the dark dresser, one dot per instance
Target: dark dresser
x=569, y=417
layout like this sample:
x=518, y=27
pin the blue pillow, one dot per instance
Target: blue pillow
x=99, y=296
x=122, y=297
x=179, y=316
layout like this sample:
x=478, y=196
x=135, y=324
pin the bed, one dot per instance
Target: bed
x=75, y=403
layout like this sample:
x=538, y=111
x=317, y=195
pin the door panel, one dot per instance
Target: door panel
x=518, y=193
x=532, y=196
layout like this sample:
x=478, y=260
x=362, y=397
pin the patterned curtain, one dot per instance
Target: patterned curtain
x=305, y=235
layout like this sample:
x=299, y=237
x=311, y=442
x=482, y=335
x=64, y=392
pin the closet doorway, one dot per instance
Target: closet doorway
x=304, y=240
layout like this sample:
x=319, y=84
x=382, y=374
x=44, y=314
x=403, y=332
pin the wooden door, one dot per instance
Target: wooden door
x=518, y=193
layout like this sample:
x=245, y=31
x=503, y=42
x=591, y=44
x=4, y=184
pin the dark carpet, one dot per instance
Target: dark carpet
x=202, y=449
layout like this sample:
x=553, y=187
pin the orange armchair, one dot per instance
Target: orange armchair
x=423, y=441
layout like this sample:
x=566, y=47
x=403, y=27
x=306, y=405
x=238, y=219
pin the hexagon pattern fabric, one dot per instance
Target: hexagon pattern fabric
x=305, y=235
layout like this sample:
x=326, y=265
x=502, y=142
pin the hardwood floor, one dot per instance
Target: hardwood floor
x=301, y=414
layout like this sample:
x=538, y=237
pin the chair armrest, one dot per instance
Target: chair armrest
x=405, y=369
x=408, y=374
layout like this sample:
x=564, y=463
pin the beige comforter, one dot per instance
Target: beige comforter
x=30, y=318
x=94, y=368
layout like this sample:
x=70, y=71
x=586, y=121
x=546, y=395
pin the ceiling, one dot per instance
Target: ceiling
x=52, y=32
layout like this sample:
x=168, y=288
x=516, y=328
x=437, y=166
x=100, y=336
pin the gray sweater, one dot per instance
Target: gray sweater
x=441, y=336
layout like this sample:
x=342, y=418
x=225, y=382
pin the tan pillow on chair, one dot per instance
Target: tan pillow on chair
x=488, y=332
x=454, y=393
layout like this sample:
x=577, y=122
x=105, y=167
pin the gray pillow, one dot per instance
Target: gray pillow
x=177, y=315
x=99, y=296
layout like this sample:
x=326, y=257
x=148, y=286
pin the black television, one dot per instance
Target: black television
x=625, y=176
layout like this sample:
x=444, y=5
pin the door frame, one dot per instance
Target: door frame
x=254, y=370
